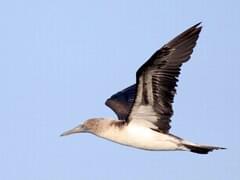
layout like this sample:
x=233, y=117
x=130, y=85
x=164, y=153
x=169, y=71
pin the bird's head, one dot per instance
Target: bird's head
x=90, y=126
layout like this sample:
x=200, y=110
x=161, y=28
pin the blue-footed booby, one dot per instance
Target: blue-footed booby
x=144, y=109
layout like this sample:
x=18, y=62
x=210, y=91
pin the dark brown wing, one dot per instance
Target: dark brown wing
x=121, y=102
x=157, y=81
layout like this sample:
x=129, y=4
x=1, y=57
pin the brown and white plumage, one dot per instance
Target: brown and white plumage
x=144, y=109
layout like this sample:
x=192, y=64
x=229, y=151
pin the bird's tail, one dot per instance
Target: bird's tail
x=200, y=149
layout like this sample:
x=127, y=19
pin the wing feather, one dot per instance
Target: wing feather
x=157, y=80
x=121, y=102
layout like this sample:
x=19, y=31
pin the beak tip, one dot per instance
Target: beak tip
x=65, y=133
x=71, y=131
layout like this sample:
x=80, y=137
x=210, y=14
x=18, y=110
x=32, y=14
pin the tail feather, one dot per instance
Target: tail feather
x=201, y=149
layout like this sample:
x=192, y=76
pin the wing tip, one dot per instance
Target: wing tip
x=198, y=24
x=197, y=28
x=190, y=32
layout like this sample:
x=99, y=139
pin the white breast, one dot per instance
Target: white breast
x=141, y=137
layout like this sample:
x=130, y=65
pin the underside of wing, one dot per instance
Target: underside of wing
x=157, y=81
x=121, y=102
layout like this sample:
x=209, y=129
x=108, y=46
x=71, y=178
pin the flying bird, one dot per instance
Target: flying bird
x=144, y=110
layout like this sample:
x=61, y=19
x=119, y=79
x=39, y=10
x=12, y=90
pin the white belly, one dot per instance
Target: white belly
x=142, y=137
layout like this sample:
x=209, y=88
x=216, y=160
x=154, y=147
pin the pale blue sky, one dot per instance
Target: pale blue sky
x=60, y=60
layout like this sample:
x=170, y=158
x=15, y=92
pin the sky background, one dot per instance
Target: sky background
x=60, y=60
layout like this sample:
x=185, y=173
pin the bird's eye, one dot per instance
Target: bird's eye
x=83, y=126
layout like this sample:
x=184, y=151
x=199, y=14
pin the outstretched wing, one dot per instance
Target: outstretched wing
x=157, y=81
x=121, y=102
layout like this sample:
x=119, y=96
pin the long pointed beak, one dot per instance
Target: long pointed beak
x=77, y=129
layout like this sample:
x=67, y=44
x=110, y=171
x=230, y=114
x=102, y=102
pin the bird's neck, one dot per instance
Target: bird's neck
x=108, y=128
